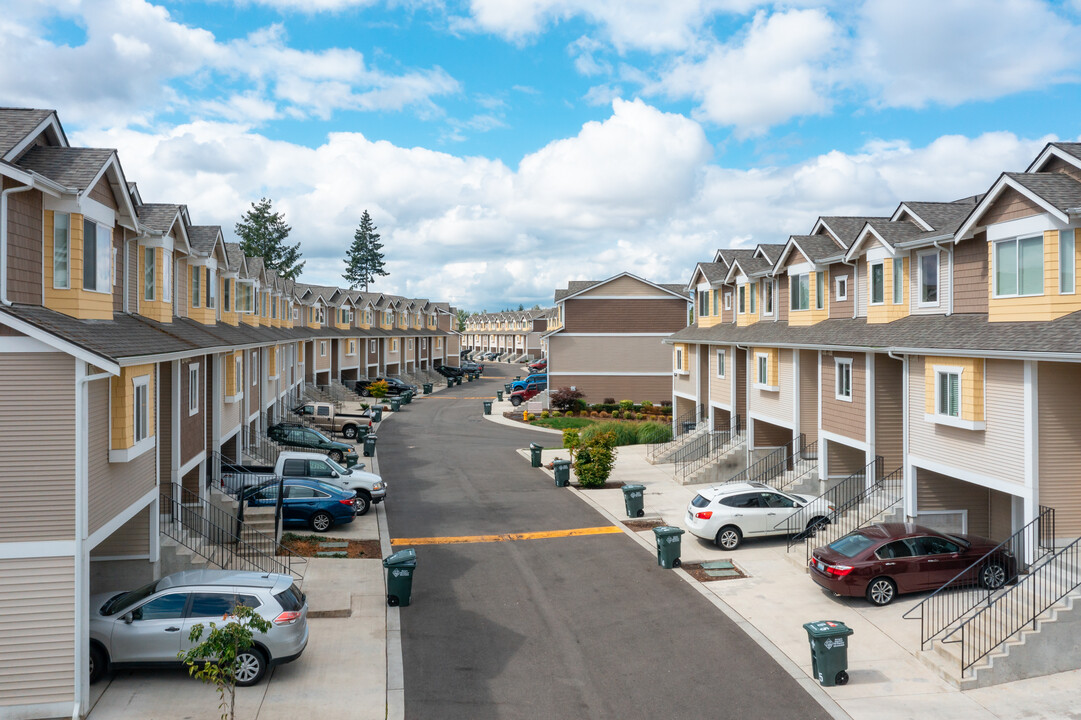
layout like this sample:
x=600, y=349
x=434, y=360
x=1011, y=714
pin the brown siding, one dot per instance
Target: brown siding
x=254, y=366
x=844, y=460
x=842, y=308
x=621, y=387
x=889, y=411
x=132, y=538
x=1010, y=205
x=795, y=258
x=740, y=368
x=192, y=440
x=770, y=435
x=970, y=278
x=838, y=416
x=782, y=304
x=25, y=243
x=112, y=486
x=808, y=394
x=103, y=193
x=1061, y=166
x=609, y=354
x=625, y=315
x=37, y=631
x=989, y=511
x=1060, y=454
x=37, y=401
x=164, y=425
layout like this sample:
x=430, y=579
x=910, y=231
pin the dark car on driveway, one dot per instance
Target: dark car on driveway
x=394, y=386
x=298, y=436
x=449, y=371
x=881, y=561
x=315, y=504
x=472, y=367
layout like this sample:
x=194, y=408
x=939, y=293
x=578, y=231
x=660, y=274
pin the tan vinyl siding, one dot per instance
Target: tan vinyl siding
x=780, y=303
x=230, y=416
x=943, y=285
x=619, y=387
x=38, y=402
x=775, y=405
x=989, y=511
x=112, y=486
x=1061, y=166
x=610, y=354
x=720, y=389
x=839, y=416
x=191, y=426
x=132, y=538
x=622, y=316
x=1060, y=453
x=770, y=435
x=37, y=631
x=808, y=398
x=165, y=421
x=844, y=460
x=103, y=193
x=842, y=308
x=686, y=384
x=970, y=275
x=996, y=452
x=889, y=411
x=254, y=368
x=740, y=368
x=24, y=245
x=1010, y=205
x=625, y=286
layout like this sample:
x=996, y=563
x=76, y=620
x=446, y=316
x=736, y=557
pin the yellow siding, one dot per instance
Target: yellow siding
x=751, y=299
x=155, y=309
x=122, y=405
x=230, y=317
x=232, y=382
x=686, y=364
x=772, y=374
x=1049, y=306
x=972, y=385
x=201, y=314
x=888, y=311
x=272, y=361
x=75, y=302
x=803, y=318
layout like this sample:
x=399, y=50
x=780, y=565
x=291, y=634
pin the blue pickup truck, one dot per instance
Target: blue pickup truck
x=533, y=382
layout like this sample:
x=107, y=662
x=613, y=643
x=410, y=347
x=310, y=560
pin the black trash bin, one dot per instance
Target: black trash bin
x=535, y=454
x=400, y=567
x=450, y=382
x=395, y=404
x=688, y=426
x=668, y=545
x=499, y=395
x=634, y=499
x=369, y=444
x=487, y=407
x=562, y=469
x=829, y=651
x=377, y=413
x=427, y=388
x=458, y=380
x=506, y=388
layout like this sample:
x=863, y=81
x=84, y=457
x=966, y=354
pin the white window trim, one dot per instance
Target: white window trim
x=371, y=346
x=722, y=362
x=97, y=250
x=793, y=292
x=322, y=348
x=166, y=276
x=677, y=364
x=238, y=380
x=741, y=304
x=838, y=281
x=196, y=285
x=254, y=368
x=958, y=421
x=994, y=255
x=839, y=363
x=150, y=271
x=1073, y=264
x=771, y=283
x=142, y=381
x=871, y=282
x=193, y=388
x=728, y=301
x=919, y=284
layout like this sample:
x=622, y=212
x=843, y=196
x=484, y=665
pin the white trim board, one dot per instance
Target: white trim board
x=1016, y=489
x=771, y=420
x=615, y=334
x=102, y=533
x=842, y=440
x=37, y=549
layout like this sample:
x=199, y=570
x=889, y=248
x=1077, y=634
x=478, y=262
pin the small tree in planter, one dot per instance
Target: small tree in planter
x=379, y=389
x=571, y=440
x=565, y=399
x=217, y=658
x=595, y=460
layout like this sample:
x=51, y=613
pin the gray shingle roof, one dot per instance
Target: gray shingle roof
x=74, y=168
x=901, y=231
x=203, y=238
x=1059, y=189
x=944, y=217
x=1070, y=147
x=234, y=255
x=772, y=251
x=818, y=247
x=255, y=269
x=157, y=217
x=847, y=228
x=713, y=272
x=16, y=124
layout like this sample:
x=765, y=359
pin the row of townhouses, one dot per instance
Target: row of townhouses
x=136, y=346
x=944, y=339
x=514, y=334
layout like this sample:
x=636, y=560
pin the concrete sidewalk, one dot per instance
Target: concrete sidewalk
x=776, y=597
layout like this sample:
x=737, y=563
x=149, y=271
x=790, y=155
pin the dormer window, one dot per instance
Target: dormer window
x=149, y=270
x=61, y=251
x=1066, y=263
x=1018, y=267
x=227, y=296
x=196, y=286
x=767, y=297
x=166, y=276
x=97, y=256
x=211, y=289
x=878, y=283
x=800, y=291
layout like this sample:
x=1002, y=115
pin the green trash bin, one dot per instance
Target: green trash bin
x=427, y=388
x=499, y=395
x=377, y=413
x=400, y=567
x=458, y=380
x=450, y=382
x=487, y=407
x=829, y=651
x=535, y=454
x=562, y=470
x=395, y=404
x=506, y=388
x=369, y=444
x=470, y=377
x=668, y=544
x=407, y=397
x=633, y=499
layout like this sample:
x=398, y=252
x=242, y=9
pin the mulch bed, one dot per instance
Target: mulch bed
x=310, y=546
x=640, y=525
x=606, y=486
x=699, y=573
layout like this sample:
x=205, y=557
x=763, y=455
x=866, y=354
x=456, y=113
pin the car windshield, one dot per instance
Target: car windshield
x=320, y=435
x=336, y=467
x=125, y=600
x=851, y=545
x=960, y=541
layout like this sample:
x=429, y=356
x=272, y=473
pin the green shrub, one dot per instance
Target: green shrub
x=544, y=413
x=646, y=403
x=530, y=417
x=571, y=440
x=653, y=433
x=595, y=460
x=626, y=405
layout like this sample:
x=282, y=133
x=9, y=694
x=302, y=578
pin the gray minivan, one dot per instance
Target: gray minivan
x=149, y=627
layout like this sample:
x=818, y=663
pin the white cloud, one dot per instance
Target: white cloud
x=637, y=192
x=776, y=71
x=928, y=51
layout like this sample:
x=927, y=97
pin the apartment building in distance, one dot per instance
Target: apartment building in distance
x=514, y=334
x=135, y=347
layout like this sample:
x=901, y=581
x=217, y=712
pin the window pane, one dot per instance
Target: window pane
x=955, y=394
x=148, y=274
x=90, y=254
x=793, y=292
x=1066, y=261
x=1030, y=271
x=820, y=290
x=768, y=299
x=166, y=607
x=167, y=277
x=105, y=258
x=898, y=280
x=716, y=302
x=762, y=370
x=877, y=283
x=1006, y=268
x=929, y=278
x=211, y=605
x=742, y=299
x=804, y=292
x=61, y=255
x=753, y=294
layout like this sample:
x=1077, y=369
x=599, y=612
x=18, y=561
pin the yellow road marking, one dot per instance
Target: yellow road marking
x=456, y=397
x=606, y=530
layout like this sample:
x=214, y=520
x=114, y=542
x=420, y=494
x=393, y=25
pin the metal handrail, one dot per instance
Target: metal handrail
x=838, y=499
x=796, y=455
x=218, y=536
x=1010, y=612
x=706, y=447
x=867, y=507
x=696, y=415
x=969, y=588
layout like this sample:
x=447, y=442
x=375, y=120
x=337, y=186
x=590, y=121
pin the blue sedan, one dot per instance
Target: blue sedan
x=307, y=502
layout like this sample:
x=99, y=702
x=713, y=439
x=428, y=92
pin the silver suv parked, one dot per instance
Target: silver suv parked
x=151, y=625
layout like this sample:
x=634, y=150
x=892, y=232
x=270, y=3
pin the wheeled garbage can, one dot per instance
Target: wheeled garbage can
x=377, y=413
x=487, y=407
x=535, y=454
x=829, y=651
x=427, y=388
x=562, y=469
x=369, y=444
x=633, y=499
x=400, y=567
x=395, y=404
x=668, y=545
x=499, y=395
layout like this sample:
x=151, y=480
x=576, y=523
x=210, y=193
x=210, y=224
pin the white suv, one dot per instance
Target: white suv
x=726, y=514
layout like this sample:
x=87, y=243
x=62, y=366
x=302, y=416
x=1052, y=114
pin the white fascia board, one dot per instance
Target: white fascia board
x=109, y=366
x=33, y=135
x=1050, y=151
x=868, y=230
x=903, y=210
x=997, y=189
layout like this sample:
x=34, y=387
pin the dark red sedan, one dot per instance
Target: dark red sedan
x=884, y=560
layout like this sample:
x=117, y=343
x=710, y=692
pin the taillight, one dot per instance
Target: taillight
x=347, y=501
x=287, y=618
x=704, y=515
x=838, y=570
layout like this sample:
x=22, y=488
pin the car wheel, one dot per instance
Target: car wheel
x=321, y=521
x=335, y=455
x=881, y=591
x=349, y=431
x=99, y=664
x=251, y=665
x=812, y=526
x=729, y=537
x=365, y=393
x=363, y=503
x=992, y=576
x=516, y=401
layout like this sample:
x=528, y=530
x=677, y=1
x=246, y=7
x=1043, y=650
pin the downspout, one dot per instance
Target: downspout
x=949, y=272
x=4, y=238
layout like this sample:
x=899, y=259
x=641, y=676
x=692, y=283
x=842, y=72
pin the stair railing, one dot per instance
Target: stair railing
x=1007, y=613
x=705, y=448
x=683, y=425
x=841, y=498
x=796, y=456
x=977, y=584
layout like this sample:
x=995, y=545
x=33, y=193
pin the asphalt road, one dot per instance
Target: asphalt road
x=574, y=627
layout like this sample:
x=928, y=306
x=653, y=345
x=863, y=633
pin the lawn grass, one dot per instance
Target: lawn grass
x=562, y=423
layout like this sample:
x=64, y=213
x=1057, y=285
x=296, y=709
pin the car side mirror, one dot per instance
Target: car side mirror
x=334, y=473
x=128, y=617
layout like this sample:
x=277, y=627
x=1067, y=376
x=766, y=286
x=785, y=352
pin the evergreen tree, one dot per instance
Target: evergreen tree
x=521, y=307
x=463, y=315
x=363, y=260
x=262, y=234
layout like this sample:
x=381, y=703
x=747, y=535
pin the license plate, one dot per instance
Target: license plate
x=820, y=565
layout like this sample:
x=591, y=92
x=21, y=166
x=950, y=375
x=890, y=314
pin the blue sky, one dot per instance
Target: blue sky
x=505, y=147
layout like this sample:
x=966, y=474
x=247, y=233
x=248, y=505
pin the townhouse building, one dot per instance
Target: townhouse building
x=606, y=337
x=516, y=335
x=135, y=347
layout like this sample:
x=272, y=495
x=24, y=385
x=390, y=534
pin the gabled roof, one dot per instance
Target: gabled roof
x=1056, y=193
x=205, y=240
x=891, y=234
x=1068, y=151
x=749, y=264
x=20, y=126
x=159, y=218
x=815, y=248
x=236, y=258
x=942, y=217
x=725, y=256
x=256, y=271
x=74, y=168
x=770, y=251
x=575, y=287
x=844, y=229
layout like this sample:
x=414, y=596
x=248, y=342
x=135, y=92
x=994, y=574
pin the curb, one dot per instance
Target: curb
x=395, y=680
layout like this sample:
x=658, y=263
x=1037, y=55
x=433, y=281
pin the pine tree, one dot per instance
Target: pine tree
x=262, y=234
x=363, y=260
